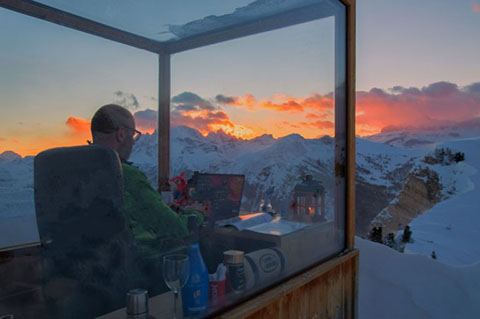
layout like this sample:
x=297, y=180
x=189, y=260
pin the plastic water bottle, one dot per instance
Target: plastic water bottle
x=195, y=291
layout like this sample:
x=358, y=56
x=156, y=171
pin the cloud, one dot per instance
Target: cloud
x=289, y=105
x=127, y=100
x=432, y=105
x=280, y=102
x=476, y=7
x=78, y=125
x=146, y=120
x=220, y=98
x=193, y=111
x=204, y=121
x=188, y=101
x=314, y=116
x=323, y=124
x=247, y=101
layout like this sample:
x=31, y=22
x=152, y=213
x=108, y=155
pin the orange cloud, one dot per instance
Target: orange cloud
x=209, y=121
x=476, y=7
x=436, y=104
x=280, y=102
x=288, y=106
x=314, y=116
x=78, y=125
x=146, y=121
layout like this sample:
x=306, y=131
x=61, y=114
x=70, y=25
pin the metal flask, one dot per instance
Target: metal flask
x=137, y=304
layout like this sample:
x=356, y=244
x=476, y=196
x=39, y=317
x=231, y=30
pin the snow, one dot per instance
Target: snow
x=394, y=285
x=256, y=9
x=379, y=160
x=391, y=284
x=452, y=227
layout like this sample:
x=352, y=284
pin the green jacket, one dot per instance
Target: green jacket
x=155, y=226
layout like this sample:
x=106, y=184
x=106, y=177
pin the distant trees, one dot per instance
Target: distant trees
x=434, y=255
x=444, y=156
x=375, y=235
x=407, y=234
x=390, y=241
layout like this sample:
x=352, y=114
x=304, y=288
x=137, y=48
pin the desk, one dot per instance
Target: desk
x=301, y=248
x=160, y=306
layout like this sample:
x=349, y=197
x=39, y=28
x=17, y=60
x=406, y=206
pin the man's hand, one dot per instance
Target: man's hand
x=204, y=208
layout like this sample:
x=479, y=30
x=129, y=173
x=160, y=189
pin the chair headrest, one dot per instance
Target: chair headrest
x=72, y=179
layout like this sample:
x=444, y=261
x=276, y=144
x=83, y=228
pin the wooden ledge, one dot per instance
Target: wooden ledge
x=334, y=283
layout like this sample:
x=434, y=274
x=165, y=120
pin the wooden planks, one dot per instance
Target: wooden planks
x=163, y=132
x=326, y=291
x=350, y=187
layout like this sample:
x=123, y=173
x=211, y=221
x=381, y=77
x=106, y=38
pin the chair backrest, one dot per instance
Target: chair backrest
x=88, y=258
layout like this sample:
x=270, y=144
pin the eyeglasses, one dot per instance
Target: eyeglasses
x=136, y=135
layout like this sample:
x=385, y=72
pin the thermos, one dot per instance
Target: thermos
x=137, y=304
x=233, y=261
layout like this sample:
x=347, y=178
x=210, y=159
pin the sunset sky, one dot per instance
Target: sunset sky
x=417, y=66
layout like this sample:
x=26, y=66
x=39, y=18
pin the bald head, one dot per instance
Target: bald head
x=110, y=117
x=114, y=126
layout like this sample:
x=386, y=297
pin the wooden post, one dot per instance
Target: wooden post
x=163, y=131
x=350, y=189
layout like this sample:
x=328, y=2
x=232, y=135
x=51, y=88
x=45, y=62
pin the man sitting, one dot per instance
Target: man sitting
x=155, y=225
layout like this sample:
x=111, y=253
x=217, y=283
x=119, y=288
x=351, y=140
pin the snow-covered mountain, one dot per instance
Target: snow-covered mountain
x=279, y=164
x=390, y=179
x=452, y=227
x=402, y=285
x=429, y=136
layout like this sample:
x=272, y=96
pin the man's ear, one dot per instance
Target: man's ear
x=120, y=135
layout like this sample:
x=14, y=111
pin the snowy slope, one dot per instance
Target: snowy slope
x=17, y=210
x=394, y=285
x=269, y=164
x=428, y=137
x=452, y=227
x=377, y=163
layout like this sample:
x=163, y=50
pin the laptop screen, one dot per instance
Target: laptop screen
x=223, y=191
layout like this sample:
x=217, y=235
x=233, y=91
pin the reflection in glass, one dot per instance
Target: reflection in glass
x=176, y=270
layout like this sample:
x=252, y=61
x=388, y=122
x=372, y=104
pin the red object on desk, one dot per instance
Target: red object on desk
x=180, y=194
x=217, y=293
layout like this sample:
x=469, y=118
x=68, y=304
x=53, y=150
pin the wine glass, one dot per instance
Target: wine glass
x=176, y=270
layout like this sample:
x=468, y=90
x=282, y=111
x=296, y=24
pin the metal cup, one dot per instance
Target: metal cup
x=137, y=304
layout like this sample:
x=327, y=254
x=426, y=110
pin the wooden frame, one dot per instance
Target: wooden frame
x=308, y=295
x=350, y=164
x=164, y=50
x=43, y=12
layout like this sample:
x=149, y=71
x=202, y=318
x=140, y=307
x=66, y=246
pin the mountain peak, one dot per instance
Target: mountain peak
x=9, y=155
x=220, y=135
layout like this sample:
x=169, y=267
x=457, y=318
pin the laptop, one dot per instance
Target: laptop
x=222, y=191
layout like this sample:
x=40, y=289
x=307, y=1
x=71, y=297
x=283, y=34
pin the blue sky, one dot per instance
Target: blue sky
x=49, y=73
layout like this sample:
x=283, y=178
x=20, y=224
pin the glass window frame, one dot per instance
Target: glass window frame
x=344, y=82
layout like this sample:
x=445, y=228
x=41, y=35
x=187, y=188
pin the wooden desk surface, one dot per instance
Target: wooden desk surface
x=160, y=306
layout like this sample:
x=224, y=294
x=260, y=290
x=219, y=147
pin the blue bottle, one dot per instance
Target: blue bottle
x=195, y=291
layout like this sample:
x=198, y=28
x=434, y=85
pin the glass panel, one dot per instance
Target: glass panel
x=261, y=120
x=269, y=108
x=52, y=81
x=164, y=20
